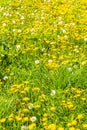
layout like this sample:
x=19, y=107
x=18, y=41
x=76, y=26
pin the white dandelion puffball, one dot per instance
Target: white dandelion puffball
x=33, y=118
x=53, y=92
x=5, y=77
x=37, y=61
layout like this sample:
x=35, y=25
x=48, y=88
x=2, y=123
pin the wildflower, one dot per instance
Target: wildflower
x=2, y=55
x=83, y=99
x=32, y=126
x=85, y=39
x=10, y=119
x=51, y=43
x=80, y=116
x=19, y=30
x=5, y=14
x=53, y=108
x=72, y=128
x=61, y=22
x=44, y=119
x=25, y=119
x=60, y=128
x=63, y=30
x=18, y=47
x=31, y=106
x=37, y=61
x=69, y=69
x=36, y=89
x=72, y=123
x=14, y=30
x=51, y=127
x=22, y=22
x=37, y=106
x=25, y=110
x=4, y=24
x=70, y=105
x=43, y=49
x=33, y=118
x=18, y=118
x=50, y=61
x=0, y=82
x=5, y=77
x=13, y=21
x=26, y=89
x=2, y=120
x=84, y=125
x=26, y=99
x=22, y=17
x=24, y=127
x=53, y=92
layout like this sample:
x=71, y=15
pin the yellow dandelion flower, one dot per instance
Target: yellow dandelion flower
x=72, y=128
x=2, y=120
x=26, y=99
x=84, y=125
x=74, y=122
x=69, y=124
x=53, y=108
x=51, y=127
x=0, y=82
x=44, y=119
x=26, y=82
x=10, y=119
x=37, y=106
x=25, y=110
x=83, y=99
x=32, y=126
x=36, y=89
x=25, y=119
x=18, y=118
x=45, y=114
x=26, y=89
x=60, y=128
x=80, y=116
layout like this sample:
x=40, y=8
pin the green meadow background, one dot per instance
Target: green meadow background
x=43, y=64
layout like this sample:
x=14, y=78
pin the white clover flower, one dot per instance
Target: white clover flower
x=76, y=50
x=33, y=118
x=50, y=61
x=60, y=17
x=43, y=49
x=13, y=21
x=19, y=30
x=13, y=30
x=51, y=43
x=22, y=17
x=37, y=61
x=69, y=69
x=5, y=14
x=85, y=39
x=2, y=55
x=24, y=127
x=72, y=24
x=4, y=24
x=22, y=23
x=5, y=77
x=18, y=47
x=53, y=92
x=63, y=30
x=31, y=106
x=65, y=36
x=61, y=22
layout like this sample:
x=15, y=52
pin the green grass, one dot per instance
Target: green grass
x=43, y=65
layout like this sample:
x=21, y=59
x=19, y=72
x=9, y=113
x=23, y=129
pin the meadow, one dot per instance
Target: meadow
x=43, y=65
